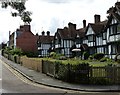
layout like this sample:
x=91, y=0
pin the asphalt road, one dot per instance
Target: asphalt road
x=13, y=82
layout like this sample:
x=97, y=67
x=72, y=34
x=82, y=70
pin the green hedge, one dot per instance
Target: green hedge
x=98, y=56
x=77, y=73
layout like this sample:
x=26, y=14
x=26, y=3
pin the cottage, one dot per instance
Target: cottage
x=45, y=43
x=113, y=30
x=24, y=39
x=64, y=39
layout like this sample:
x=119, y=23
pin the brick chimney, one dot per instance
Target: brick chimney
x=71, y=26
x=48, y=33
x=96, y=18
x=84, y=23
x=27, y=28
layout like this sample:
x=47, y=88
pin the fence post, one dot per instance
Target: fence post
x=42, y=66
x=68, y=73
x=91, y=73
x=114, y=74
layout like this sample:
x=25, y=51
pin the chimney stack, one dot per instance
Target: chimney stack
x=84, y=23
x=27, y=28
x=72, y=26
x=97, y=18
x=48, y=33
x=43, y=33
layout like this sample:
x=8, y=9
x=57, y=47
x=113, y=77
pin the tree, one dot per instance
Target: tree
x=21, y=10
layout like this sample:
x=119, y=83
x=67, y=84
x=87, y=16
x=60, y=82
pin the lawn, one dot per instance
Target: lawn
x=77, y=61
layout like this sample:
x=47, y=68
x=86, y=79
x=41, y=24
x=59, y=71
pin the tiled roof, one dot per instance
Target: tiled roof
x=98, y=27
x=81, y=32
x=45, y=39
x=66, y=33
x=116, y=16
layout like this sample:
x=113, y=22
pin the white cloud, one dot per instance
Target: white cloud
x=52, y=14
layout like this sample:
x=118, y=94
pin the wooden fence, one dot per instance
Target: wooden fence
x=92, y=75
x=110, y=74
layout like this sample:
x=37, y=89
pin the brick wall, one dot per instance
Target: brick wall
x=31, y=63
x=27, y=42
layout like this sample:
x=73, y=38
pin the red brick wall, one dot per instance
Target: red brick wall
x=27, y=41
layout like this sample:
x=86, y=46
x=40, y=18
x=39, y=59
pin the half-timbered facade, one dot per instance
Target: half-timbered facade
x=113, y=31
x=64, y=40
x=94, y=36
x=44, y=44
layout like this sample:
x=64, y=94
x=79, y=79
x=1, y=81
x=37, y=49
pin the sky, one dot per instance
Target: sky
x=48, y=15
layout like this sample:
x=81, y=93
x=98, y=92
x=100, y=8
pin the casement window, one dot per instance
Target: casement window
x=118, y=28
x=113, y=48
x=114, y=21
x=106, y=50
x=57, y=41
x=90, y=38
x=78, y=41
x=92, y=51
x=104, y=36
x=113, y=29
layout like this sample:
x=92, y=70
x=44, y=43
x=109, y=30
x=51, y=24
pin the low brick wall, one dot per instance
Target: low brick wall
x=31, y=63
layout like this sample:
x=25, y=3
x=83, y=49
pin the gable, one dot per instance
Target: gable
x=89, y=31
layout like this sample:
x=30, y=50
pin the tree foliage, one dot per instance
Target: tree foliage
x=21, y=10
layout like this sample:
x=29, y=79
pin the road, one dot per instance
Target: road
x=13, y=82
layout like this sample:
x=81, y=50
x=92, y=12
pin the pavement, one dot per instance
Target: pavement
x=43, y=79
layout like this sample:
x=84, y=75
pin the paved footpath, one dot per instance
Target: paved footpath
x=41, y=78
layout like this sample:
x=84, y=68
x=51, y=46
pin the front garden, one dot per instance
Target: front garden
x=97, y=69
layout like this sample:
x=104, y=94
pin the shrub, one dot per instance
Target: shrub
x=62, y=58
x=86, y=55
x=90, y=57
x=16, y=51
x=104, y=59
x=117, y=58
x=30, y=54
x=7, y=50
x=53, y=54
x=98, y=56
x=77, y=73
